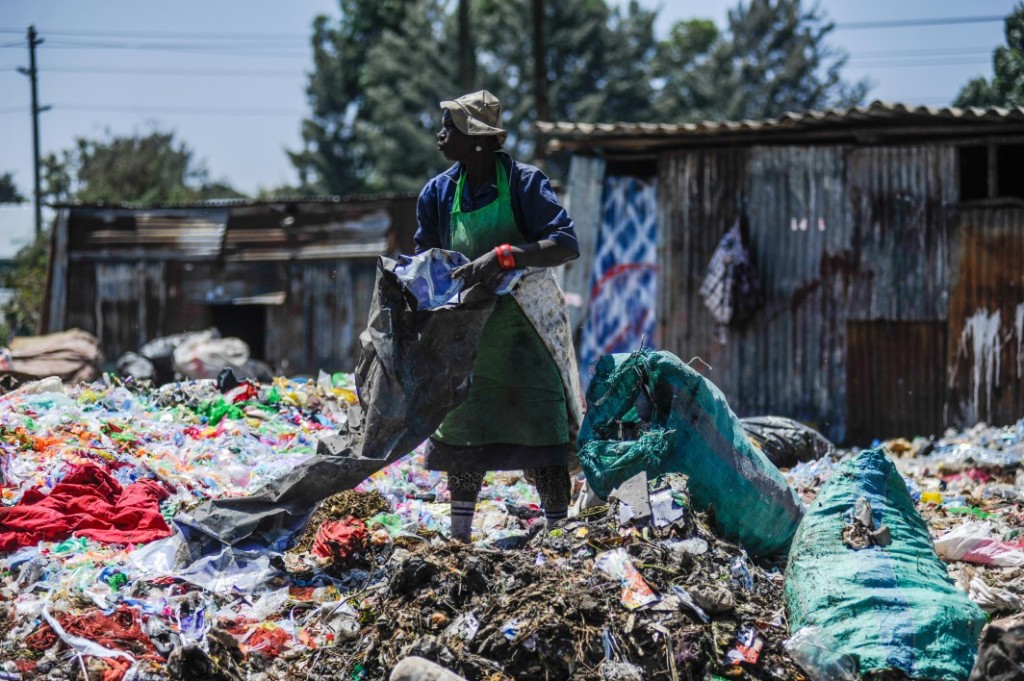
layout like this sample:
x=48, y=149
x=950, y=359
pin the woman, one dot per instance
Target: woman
x=523, y=408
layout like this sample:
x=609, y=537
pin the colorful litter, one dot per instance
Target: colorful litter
x=97, y=478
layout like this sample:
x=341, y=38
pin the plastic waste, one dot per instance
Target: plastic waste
x=815, y=650
x=993, y=600
x=785, y=441
x=420, y=669
x=428, y=277
x=1001, y=651
x=136, y=366
x=740, y=573
x=204, y=355
x=973, y=541
x=617, y=565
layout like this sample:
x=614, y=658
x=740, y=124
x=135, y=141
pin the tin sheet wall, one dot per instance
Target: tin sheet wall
x=840, y=235
x=986, y=318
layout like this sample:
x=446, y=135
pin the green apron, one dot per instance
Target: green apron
x=516, y=397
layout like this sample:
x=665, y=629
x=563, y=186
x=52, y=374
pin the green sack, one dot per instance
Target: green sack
x=889, y=606
x=649, y=411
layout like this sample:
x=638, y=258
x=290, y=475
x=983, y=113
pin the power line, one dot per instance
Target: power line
x=985, y=49
x=208, y=45
x=937, y=21
x=905, y=65
x=204, y=111
x=169, y=35
x=118, y=71
x=223, y=52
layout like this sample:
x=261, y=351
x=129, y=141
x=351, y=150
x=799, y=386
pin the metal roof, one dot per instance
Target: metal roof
x=245, y=202
x=860, y=123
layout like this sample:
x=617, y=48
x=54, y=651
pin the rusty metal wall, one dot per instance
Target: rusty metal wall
x=986, y=318
x=583, y=202
x=299, y=277
x=838, y=234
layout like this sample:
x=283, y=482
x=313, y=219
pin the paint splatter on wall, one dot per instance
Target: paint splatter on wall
x=981, y=335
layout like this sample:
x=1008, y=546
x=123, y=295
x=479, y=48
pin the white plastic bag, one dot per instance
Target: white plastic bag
x=975, y=542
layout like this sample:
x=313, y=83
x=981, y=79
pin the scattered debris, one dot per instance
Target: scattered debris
x=697, y=606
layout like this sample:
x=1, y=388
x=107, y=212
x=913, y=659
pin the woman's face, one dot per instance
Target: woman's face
x=451, y=142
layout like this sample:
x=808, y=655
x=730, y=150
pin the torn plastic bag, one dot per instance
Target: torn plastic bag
x=414, y=368
x=647, y=411
x=784, y=441
x=888, y=607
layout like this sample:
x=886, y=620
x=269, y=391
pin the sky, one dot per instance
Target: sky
x=230, y=80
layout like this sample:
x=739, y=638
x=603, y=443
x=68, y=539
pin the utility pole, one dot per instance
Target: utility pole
x=540, y=78
x=467, y=65
x=31, y=72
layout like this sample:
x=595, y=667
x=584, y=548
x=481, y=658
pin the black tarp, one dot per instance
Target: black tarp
x=784, y=441
x=414, y=368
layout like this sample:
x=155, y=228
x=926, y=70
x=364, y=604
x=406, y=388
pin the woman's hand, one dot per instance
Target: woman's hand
x=484, y=269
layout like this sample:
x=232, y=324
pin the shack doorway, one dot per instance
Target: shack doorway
x=248, y=322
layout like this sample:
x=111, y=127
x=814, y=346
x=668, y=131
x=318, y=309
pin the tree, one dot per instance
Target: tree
x=681, y=64
x=142, y=168
x=773, y=59
x=595, y=59
x=333, y=160
x=1007, y=85
x=403, y=117
x=27, y=278
x=8, y=190
x=380, y=71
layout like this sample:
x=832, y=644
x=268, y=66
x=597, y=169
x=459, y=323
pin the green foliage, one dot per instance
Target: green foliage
x=333, y=160
x=773, y=59
x=27, y=278
x=596, y=60
x=399, y=133
x=381, y=69
x=8, y=190
x=143, y=168
x=1007, y=86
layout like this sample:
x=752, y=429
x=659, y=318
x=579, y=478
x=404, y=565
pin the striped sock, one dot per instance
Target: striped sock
x=462, y=519
x=554, y=515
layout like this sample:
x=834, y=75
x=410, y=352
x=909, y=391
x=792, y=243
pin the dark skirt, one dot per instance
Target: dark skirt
x=497, y=457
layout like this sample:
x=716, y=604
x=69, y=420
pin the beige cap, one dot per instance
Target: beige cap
x=478, y=113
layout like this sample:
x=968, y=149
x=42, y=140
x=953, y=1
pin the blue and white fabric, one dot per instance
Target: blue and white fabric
x=623, y=283
x=428, y=277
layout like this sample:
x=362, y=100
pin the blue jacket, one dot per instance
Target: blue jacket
x=534, y=204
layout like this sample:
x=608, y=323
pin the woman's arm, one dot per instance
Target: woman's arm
x=543, y=253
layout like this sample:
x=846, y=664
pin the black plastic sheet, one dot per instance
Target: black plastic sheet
x=784, y=441
x=414, y=368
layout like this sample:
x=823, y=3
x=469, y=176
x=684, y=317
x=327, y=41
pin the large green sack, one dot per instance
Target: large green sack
x=886, y=606
x=647, y=411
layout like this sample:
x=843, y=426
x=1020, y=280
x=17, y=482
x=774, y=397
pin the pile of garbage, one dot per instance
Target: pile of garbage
x=191, y=355
x=641, y=587
x=73, y=355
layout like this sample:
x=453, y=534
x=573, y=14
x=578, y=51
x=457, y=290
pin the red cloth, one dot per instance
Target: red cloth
x=120, y=630
x=340, y=540
x=86, y=503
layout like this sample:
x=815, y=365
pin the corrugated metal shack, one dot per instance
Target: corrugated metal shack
x=293, y=278
x=890, y=242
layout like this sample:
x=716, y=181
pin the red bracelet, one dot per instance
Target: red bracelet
x=505, y=258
